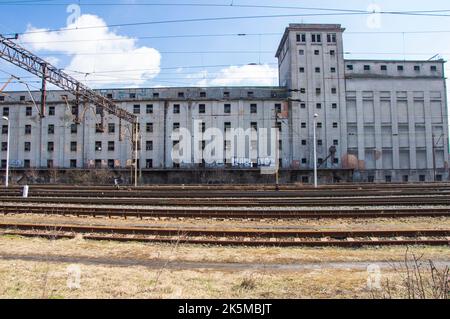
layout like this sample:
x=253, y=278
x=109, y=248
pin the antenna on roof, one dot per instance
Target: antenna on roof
x=434, y=56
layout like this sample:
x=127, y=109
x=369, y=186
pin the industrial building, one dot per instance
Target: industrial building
x=377, y=121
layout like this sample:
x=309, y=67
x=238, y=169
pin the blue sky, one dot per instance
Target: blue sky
x=159, y=62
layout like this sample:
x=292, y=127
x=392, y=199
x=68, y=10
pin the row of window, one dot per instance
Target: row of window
x=73, y=163
x=368, y=67
x=317, y=52
x=316, y=37
x=317, y=69
x=201, y=94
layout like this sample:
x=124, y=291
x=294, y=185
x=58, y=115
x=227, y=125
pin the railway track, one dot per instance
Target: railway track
x=235, y=213
x=237, y=237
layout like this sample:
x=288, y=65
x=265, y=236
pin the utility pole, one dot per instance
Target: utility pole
x=277, y=153
x=434, y=158
x=7, y=152
x=315, y=149
x=135, y=153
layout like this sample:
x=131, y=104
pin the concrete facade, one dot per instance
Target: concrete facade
x=382, y=120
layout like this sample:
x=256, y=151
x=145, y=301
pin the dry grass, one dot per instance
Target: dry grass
x=47, y=278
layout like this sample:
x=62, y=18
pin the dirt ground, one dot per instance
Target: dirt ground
x=40, y=268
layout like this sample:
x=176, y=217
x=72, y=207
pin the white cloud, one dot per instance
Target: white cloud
x=247, y=75
x=93, y=59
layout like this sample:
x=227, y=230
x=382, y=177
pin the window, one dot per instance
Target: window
x=350, y=67
x=303, y=125
x=149, y=127
x=5, y=129
x=73, y=146
x=181, y=94
x=149, y=163
x=383, y=68
x=51, y=129
x=405, y=178
x=316, y=38
x=433, y=68
x=111, y=146
x=98, y=163
x=226, y=94
x=319, y=105
x=49, y=163
x=319, y=142
x=155, y=95
x=109, y=96
x=320, y=161
x=176, y=126
x=176, y=109
x=302, y=90
x=132, y=95
x=301, y=37
x=22, y=97
x=303, y=105
x=280, y=146
x=335, y=142
x=51, y=111
x=98, y=110
x=366, y=67
x=3, y=163
x=202, y=94
x=333, y=90
x=319, y=125
x=6, y=111
x=304, y=142
x=304, y=161
x=4, y=146
x=317, y=70
x=277, y=108
x=301, y=52
x=333, y=70
x=422, y=178
x=438, y=178
x=318, y=90
x=332, y=53
x=254, y=125
x=253, y=108
x=73, y=128
x=28, y=111
x=110, y=163
x=331, y=37
x=99, y=128
x=2, y=98
x=336, y=161
x=149, y=145
x=388, y=178
x=50, y=146
x=227, y=126
x=316, y=52
x=417, y=68
x=227, y=108
x=203, y=127
x=26, y=163
x=334, y=106
x=98, y=146
x=136, y=109
x=111, y=128
x=250, y=94
x=371, y=179
x=400, y=67
x=302, y=70
x=202, y=108
x=74, y=110
x=335, y=125
x=27, y=147
x=149, y=108
x=73, y=163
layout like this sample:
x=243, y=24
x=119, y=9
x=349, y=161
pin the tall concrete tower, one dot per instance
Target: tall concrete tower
x=311, y=65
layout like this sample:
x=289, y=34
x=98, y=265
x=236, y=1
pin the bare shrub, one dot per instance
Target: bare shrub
x=416, y=278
